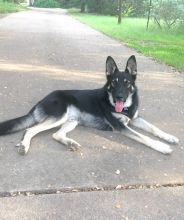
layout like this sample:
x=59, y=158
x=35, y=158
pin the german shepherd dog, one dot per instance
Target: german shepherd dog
x=114, y=106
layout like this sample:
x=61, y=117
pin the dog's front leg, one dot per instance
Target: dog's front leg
x=129, y=132
x=156, y=145
x=146, y=126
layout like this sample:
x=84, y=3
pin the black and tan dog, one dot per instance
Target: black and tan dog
x=114, y=106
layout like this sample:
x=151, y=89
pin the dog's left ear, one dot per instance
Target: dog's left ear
x=111, y=66
x=131, y=66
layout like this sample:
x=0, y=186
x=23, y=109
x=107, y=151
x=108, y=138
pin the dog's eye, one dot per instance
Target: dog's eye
x=127, y=82
x=114, y=82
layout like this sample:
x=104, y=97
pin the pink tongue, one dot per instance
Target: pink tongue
x=119, y=106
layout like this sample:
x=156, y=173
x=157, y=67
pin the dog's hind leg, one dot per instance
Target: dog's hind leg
x=156, y=145
x=60, y=135
x=146, y=126
x=48, y=124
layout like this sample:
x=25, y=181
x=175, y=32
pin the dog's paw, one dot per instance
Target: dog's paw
x=171, y=139
x=22, y=150
x=163, y=148
x=74, y=146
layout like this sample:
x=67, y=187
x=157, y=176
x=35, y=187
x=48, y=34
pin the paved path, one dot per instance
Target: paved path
x=43, y=50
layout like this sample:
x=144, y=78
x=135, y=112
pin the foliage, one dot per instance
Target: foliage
x=134, y=8
x=164, y=45
x=109, y=7
x=70, y=3
x=95, y=6
x=11, y=1
x=168, y=12
x=8, y=7
x=46, y=3
x=106, y=7
x=128, y=9
x=164, y=9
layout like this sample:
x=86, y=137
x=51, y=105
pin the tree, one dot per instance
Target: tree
x=149, y=12
x=167, y=13
x=135, y=8
x=119, y=11
x=106, y=7
x=83, y=5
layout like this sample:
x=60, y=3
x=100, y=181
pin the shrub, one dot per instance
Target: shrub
x=102, y=6
x=46, y=4
x=167, y=13
x=8, y=7
x=70, y=3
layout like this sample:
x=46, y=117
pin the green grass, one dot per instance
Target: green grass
x=163, y=45
x=8, y=7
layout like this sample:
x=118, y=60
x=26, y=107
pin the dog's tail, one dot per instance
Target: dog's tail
x=21, y=123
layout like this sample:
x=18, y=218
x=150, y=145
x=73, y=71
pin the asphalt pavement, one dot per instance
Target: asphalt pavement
x=112, y=177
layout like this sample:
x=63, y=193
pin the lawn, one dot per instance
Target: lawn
x=8, y=7
x=163, y=45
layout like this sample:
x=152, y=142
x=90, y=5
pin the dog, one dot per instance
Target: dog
x=114, y=106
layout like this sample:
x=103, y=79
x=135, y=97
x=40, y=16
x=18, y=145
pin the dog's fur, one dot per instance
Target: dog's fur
x=114, y=106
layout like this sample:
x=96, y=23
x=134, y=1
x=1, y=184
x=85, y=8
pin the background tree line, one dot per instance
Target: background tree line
x=166, y=13
x=106, y=7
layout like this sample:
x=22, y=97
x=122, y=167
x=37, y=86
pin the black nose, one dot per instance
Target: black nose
x=121, y=98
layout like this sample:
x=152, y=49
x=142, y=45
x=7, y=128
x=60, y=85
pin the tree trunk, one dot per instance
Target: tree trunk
x=149, y=11
x=83, y=5
x=119, y=11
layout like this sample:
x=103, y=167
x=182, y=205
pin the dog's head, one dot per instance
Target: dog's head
x=121, y=84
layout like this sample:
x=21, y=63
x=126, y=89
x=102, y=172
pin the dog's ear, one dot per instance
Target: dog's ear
x=111, y=66
x=131, y=66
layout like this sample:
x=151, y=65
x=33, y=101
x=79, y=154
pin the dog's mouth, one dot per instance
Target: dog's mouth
x=119, y=105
